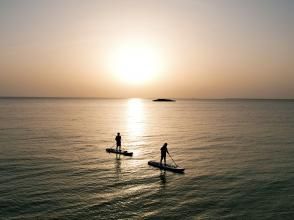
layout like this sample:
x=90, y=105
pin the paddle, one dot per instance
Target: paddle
x=172, y=159
x=115, y=148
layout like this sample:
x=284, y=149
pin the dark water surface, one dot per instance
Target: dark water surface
x=238, y=155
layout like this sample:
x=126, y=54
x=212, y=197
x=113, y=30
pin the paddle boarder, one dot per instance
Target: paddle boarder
x=163, y=150
x=118, y=141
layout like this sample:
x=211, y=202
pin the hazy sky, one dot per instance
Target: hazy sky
x=199, y=48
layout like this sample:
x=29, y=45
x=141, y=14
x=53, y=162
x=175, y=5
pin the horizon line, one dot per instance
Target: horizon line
x=92, y=97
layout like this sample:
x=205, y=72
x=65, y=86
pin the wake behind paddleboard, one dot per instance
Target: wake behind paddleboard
x=166, y=167
x=123, y=152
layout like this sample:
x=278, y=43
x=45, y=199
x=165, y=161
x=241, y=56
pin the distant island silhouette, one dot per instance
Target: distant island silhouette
x=163, y=100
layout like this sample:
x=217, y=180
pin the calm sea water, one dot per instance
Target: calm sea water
x=238, y=155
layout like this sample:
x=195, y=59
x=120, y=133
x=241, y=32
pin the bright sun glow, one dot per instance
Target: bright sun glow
x=136, y=64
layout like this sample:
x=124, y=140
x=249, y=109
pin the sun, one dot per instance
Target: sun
x=136, y=64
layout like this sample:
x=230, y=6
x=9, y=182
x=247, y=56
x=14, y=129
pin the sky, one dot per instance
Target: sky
x=148, y=49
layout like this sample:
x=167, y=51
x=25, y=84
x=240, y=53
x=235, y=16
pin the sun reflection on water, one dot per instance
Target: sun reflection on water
x=135, y=119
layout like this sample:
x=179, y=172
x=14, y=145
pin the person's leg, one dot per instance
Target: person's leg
x=116, y=146
x=164, y=159
x=161, y=157
x=120, y=147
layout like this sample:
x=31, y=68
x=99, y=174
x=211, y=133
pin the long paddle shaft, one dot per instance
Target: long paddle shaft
x=172, y=159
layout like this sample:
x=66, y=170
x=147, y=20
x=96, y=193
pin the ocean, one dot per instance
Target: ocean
x=238, y=156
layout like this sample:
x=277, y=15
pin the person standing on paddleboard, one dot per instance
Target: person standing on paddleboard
x=118, y=141
x=163, y=150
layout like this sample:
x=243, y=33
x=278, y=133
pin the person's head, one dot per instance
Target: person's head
x=165, y=145
x=118, y=134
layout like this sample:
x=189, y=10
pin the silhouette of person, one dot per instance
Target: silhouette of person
x=118, y=141
x=163, y=150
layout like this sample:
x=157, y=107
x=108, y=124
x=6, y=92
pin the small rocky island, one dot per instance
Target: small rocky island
x=163, y=100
